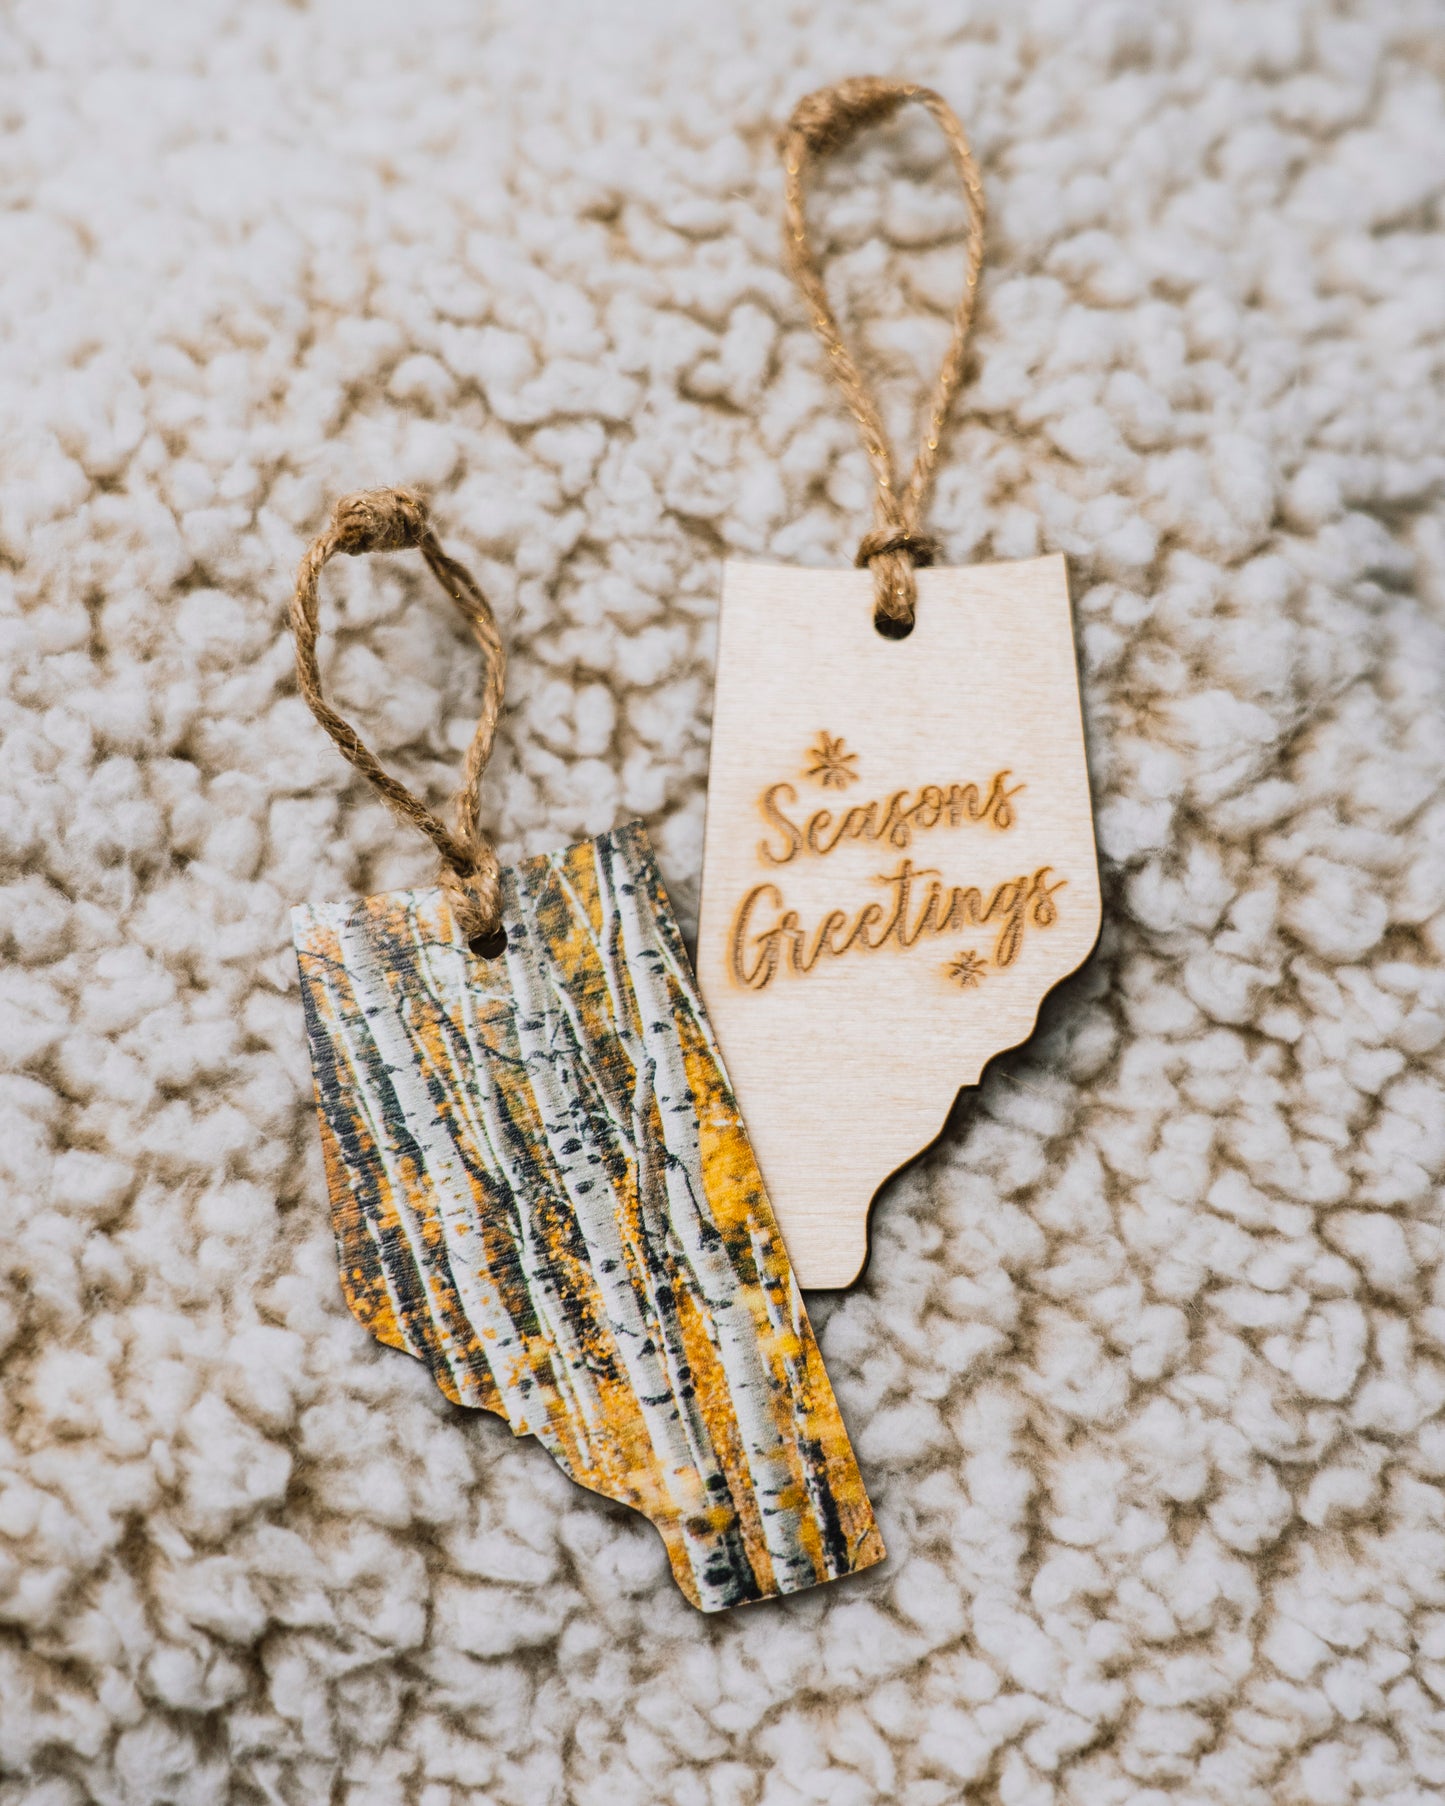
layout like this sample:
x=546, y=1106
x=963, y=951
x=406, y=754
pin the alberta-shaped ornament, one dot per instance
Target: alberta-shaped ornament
x=899, y=865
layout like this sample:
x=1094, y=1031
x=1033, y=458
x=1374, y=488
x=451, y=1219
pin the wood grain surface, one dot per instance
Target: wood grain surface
x=898, y=865
x=541, y=1186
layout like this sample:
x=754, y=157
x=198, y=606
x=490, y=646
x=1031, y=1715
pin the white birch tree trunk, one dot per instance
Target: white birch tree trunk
x=701, y=1244
x=444, y=967
x=686, y=1467
x=631, y=1116
x=451, y=1184
x=340, y=1040
x=825, y=1508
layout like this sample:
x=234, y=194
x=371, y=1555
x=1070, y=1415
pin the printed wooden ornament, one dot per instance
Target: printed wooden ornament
x=899, y=855
x=541, y=1186
x=898, y=866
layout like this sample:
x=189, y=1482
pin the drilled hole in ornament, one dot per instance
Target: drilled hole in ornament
x=892, y=630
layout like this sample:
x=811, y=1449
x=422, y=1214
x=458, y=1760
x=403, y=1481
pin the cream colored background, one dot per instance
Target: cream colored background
x=1147, y=1371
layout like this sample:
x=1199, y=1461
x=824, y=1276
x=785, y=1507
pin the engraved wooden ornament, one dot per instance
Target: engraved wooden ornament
x=899, y=857
x=539, y=1180
x=898, y=866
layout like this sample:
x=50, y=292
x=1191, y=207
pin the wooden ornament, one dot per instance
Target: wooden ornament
x=539, y=1180
x=541, y=1186
x=898, y=866
x=899, y=856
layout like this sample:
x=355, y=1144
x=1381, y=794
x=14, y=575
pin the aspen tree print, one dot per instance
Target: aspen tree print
x=541, y=1186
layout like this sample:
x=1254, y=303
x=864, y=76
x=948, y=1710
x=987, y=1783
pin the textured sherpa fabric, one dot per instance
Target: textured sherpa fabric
x=1147, y=1372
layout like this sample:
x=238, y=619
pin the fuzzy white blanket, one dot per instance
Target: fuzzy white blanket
x=1147, y=1372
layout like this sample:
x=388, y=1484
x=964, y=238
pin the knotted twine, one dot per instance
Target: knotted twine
x=395, y=520
x=822, y=122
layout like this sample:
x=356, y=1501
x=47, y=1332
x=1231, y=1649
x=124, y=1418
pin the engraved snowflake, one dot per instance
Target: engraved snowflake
x=831, y=765
x=968, y=969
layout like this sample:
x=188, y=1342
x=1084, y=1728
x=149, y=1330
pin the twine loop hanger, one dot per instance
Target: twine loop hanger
x=822, y=122
x=395, y=520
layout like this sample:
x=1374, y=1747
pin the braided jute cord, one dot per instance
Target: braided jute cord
x=821, y=123
x=395, y=520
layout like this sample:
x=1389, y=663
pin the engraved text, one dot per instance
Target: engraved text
x=767, y=936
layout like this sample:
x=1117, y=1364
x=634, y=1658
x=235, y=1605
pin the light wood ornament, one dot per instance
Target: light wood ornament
x=898, y=866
